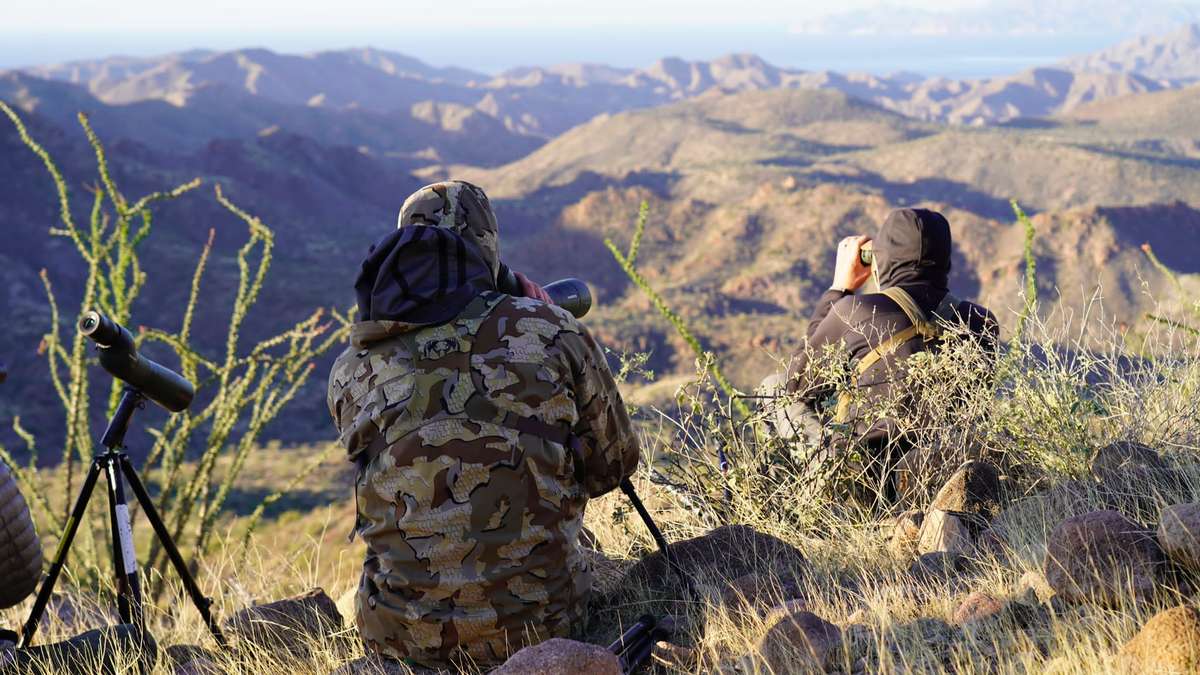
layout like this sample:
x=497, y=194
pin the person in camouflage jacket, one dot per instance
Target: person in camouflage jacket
x=481, y=423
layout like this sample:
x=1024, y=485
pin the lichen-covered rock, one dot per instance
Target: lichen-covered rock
x=1179, y=535
x=287, y=627
x=974, y=489
x=559, y=655
x=1168, y=643
x=797, y=641
x=943, y=532
x=1102, y=557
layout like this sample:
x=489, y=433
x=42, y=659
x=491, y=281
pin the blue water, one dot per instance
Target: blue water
x=965, y=57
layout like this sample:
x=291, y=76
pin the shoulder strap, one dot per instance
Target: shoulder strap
x=921, y=326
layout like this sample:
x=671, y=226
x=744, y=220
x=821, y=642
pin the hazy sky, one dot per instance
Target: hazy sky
x=491, y=35
x=368, y=16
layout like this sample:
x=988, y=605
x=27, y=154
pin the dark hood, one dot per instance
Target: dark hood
x=443, y=254
x=421, y=275
x=912, y=248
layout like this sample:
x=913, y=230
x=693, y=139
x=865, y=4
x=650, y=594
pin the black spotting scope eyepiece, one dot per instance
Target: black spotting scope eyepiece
x=571, y=294
x=119, y=356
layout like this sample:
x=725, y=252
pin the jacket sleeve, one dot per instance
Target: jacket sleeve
x=825, y=328
x=610, y=446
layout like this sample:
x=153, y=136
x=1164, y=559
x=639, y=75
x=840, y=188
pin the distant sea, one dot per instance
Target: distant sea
x=950, y=56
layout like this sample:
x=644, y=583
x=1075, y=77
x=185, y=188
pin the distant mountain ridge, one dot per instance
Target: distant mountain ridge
x=543, y=102
x=1173, y=56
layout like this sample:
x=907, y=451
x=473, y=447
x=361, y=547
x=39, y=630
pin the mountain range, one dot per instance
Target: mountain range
x=752, y=173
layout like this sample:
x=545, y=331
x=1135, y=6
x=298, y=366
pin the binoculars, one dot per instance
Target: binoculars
x=119, y=356
x=866, y=255
x=571, y=294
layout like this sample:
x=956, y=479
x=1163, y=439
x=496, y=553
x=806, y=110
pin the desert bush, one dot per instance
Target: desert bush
x=239, y=389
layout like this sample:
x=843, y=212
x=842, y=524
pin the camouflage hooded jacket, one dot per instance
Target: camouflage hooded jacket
x=471, y=525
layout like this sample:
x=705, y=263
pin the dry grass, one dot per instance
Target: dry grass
x=1040, y=419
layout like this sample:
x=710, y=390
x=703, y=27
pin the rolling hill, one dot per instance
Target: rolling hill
x=752, y=173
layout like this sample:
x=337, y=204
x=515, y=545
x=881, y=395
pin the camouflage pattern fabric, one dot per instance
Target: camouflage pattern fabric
x=460, y=207
x=471, y=526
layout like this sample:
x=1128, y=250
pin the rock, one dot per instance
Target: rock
x=1118, y=460
x=1179, y=535
x=796, y=640
x=943, y=532
x=559, y=655
x=1100, y=557
x=287, y=627
x=730, y=551
x=106, y=650
x=1032, y=588
x=1168, y=643
x=974, y=489
x=906, y=532
x=674, y=656
x=753, y=592
x=938, y=566
x=977, y=607
x=991, y=544
x=1133, y=478
x=193, y=660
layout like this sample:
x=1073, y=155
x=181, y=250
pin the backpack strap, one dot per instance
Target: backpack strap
x=921, y=326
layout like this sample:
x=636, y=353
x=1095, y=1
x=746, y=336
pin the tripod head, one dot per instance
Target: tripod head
x=119, y=356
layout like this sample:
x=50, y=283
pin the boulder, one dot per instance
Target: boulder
x=1116, y=461
x=1179, y=535
x=729, y=552
x=288, y=627
x=977, y=607
x=943, y=532
x=103, y=650
x=559, y=655
x=1101, y=557
x=906, y=533
x=796, y=640
x=1168, y=643
x=1133, y=478
x=754, y=592
x=973, y=489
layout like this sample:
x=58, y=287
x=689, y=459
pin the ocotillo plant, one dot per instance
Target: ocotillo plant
x=238, y=392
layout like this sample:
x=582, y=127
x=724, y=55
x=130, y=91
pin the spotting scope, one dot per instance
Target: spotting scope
x=119, y=356
x=571, y=294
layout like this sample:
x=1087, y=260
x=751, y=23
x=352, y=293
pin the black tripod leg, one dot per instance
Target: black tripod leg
x=60, y=556
x=129, y=592
x=627, y=488
x=202, y=603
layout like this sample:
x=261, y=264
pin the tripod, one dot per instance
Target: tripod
x=114, y=464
